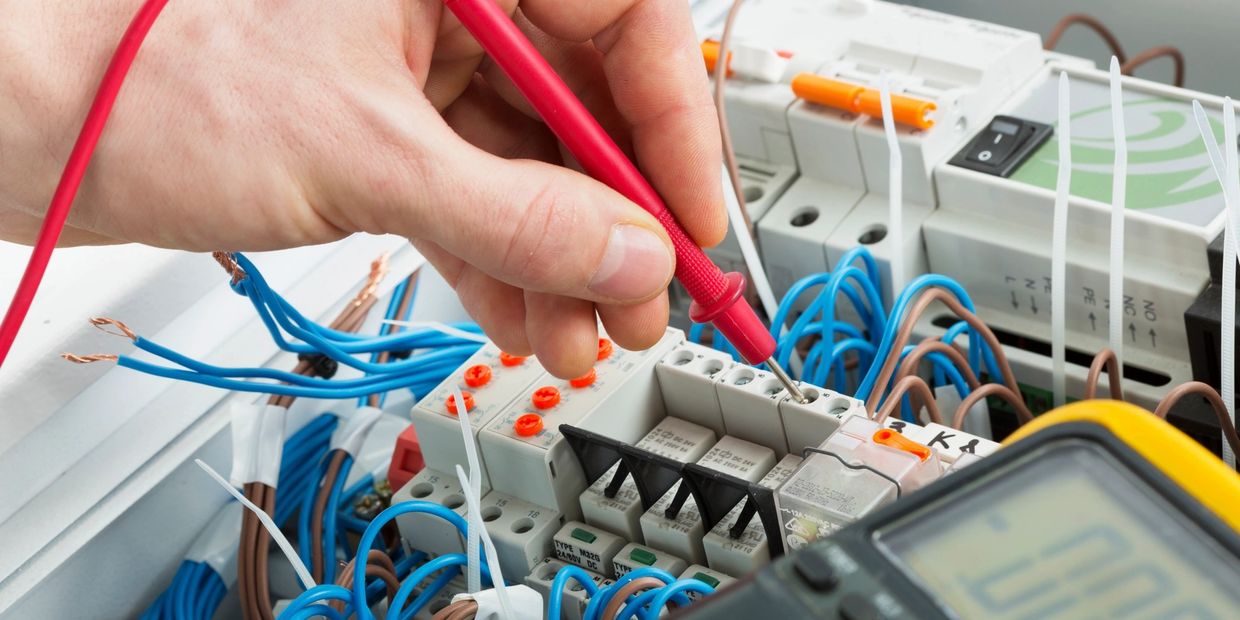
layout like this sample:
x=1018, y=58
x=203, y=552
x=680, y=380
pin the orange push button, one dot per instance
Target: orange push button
x=604, y=349
x=892, y=439
x=585, y=380
x=451, y=402
x=509, y=359
x=477, y=375
x=528, y=425
x=546, y=397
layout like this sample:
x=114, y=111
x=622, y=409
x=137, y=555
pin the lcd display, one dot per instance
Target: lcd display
x=1071, y=534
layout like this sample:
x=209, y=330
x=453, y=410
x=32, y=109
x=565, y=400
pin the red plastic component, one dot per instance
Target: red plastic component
x=477, y=375
x=407, y=459
x=546, y=397
x=585, y=380
x=528, y=425
x=604, y=349
x=450, y=403
x=509, y=359
x=603, y=160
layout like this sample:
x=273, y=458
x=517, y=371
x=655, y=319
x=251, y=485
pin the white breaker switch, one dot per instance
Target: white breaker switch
x=588, y=547
x=673, y=438
x=425, y=532
x=859, y=468
x=749, y=551
x=682, y=535
x=522, y=532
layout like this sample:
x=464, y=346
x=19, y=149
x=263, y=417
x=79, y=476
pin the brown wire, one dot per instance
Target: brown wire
x=405, y=299
x=1052, y=39
x=725, y=135
x=991, y=389
x=320, y=508
x=931, y=345
x=629, y=589
x=1107, y=359
x=461, y=610
x=262, y=542
x=245, y=555
x=378, y=565
x=1177, y=57
x=924, y=300
x=1216, y=403
x=920, y=389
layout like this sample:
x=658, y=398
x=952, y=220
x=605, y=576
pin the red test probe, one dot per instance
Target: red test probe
x=718, y=298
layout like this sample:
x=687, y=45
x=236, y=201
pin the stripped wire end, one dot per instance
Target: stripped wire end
x=226, y=260
x=378, y=271
x=88, y=359
x=102, y=323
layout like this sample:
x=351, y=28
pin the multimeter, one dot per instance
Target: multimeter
x=1096, y=510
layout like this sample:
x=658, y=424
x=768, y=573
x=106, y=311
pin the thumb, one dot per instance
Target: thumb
x=546, y=228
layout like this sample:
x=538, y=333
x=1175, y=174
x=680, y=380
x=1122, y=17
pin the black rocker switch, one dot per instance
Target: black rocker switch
x=1002, y=146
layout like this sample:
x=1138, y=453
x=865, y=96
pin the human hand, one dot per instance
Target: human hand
x=254, y=126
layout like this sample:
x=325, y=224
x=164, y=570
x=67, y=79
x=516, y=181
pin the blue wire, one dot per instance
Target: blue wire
x=213, y=592
x=386, y=328
x=190, y=584
x=556, y=598
x=824, y=304
x=329, y=521
x=599, y=601
x=666, y=593
x=303, y=517
x=318, y=594
x=430, y=592
x=441, y=365
x=983, y=351
x=453, y=561
x=372, y=532
x=315, y=611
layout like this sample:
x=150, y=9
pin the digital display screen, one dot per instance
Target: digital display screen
x=1070, y=534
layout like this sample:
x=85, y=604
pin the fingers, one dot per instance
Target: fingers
x=652, y=59
x=636, y=327
x=562, y=332
x=543, y=228
x=497, y=307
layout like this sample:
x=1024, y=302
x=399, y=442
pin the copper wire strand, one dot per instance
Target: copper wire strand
x=919, y=389
x=990, y=389
x=102, y=323
x=721, y=109
x=88, y=359
x=1197, y=388
x=334, y=465
x=226, y=260
x=924, y=300
x=1107, y=359
x=463, y=609
x=1052, y=39
x=378, y=271
x=1177, y=58
x=629, y=589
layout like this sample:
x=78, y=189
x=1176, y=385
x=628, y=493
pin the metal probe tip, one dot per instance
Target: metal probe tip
x=789, y=385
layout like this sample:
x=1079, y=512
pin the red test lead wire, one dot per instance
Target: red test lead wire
x=75, y=169
x=718, y=298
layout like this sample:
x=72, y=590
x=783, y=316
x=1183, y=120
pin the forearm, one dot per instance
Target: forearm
x=52, y=55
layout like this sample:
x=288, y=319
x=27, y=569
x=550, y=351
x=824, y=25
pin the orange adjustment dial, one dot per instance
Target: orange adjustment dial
x=828, y=92
x=892, y=439
x=906, y=110
x=604, y=349
x=585, y=380
x=451, y=402
x=710, y=54
x=546, y=397
x=477, y=375
x=528, y=425
x=509, y=359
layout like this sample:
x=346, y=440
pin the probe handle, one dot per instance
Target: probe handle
x=718, y=298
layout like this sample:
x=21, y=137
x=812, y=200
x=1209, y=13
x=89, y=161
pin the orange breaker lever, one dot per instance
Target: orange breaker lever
x=718, y=298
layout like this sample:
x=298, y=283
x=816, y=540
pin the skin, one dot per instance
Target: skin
x=267, y=125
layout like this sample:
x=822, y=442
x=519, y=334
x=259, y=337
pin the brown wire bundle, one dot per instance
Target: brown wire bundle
x=460, y=610
x=378, y=566
x=1177, y=58
x=923, y=396
x=1052, y=39
x=629, y=589
x=1216, y=403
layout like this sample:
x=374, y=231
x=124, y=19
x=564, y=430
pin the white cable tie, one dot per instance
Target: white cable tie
x=352, y=434
x=1059, y=247
x=1119, y=176
x=497, y=573
x=304, y=574
x=527, y=603
x=216, y=546
x=749, y=250
x=895, y=187
x=470, y=487
x=257, y=443
x=442, y=328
